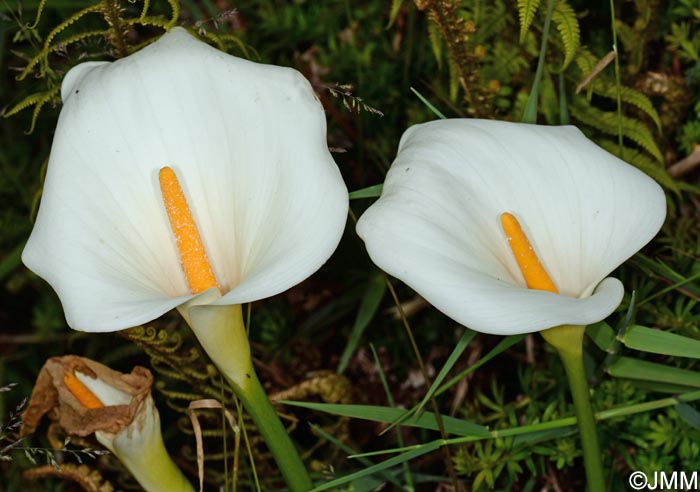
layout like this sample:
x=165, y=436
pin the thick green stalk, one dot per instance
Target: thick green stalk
x=258, y=406
x=221, y=331
x=568, y=340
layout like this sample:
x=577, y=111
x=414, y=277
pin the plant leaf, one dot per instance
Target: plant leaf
x=526, y=13
x=564, y=17
x=689, y=415
x=627, y=367
x=661, y=342
x=432, y=108
x=606, y=122
x=372, y=298
x=435, y=43
x=602, y=335
x=630, y=96
x=394, y=11
x=463, y=343
x=388, y=414
x=642, y=162
x=373, y=191
x=365, y=461
x=396, y=460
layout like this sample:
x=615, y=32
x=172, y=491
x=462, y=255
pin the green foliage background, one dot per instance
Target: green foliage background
x=380, y=67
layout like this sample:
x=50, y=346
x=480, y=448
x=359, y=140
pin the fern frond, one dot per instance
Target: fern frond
x=564, y=17
x=238, y=42
x=607, y=122
x=596, y=70
x=633, y=97
x=221, y=40
x=67, y=23
x=602, y=86
x=508, y=62
x=148, y=20
x=214, y=39
x=176, y=395
x=144, y=10
x=39, y=11
x=526, y=13
x=76, y=38
x=30, y=66
x=37, y=100
x=585, y=60
x=23, y=104
x=49, y=47
x=639, y=160
x=175, y=8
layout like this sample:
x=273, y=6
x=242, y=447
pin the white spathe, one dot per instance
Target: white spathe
x=139, y=445
x=437, y=224
x=248, y=143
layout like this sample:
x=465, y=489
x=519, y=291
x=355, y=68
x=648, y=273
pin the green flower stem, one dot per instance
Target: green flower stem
x=221, y=331
x=258, y=406
x=568, y=340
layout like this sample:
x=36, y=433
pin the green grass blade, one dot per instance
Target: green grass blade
x=602, y=335
x=464, y=341
x=563, y=104
x=543, y=435
x=376, y=288
x=626, y=367
x=390, y=399
x=396, y=460
x=688, y=414
x=388, y=415
x=671, y=389
x=530, y=113
x=370, y=192
x=660, y=269
x=432, y=108
x=364, y=461
x=660, y=342
x=502, y=346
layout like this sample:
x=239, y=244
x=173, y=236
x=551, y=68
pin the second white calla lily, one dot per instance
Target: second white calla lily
x=248, y=144
x=436, y=226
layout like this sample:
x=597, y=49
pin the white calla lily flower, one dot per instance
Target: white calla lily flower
x=248, y=144
x=184, y=177
x=139, y=445
x=436, y=225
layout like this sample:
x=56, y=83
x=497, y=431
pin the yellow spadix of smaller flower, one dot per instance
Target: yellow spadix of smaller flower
x=81, y=392
x=193, y=256
x=535, y=275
